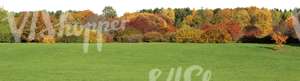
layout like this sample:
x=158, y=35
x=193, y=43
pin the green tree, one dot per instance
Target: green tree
x=109, y=12
x=157, y=10
x=277, y=17
x=2, y=13
x=5, y=35
x=4, y=28
x=146, y=10
x=180, y=14
x=286, y=14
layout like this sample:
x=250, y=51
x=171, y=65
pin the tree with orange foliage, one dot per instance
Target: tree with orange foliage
x=280, y=39
x=146, y=22
x=290, y=23
x=82, y=16
x=261, y=18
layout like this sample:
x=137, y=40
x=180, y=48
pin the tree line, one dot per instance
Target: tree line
x=249, y=25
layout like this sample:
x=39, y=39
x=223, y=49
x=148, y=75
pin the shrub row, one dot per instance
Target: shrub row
x=207, y=34
x=6, y=38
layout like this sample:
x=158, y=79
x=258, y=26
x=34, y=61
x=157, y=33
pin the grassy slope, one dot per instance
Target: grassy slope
x=132, y=62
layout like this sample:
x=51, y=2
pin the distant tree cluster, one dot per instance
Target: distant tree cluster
x=251, y=24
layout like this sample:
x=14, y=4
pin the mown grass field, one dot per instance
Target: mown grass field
x=132, y=62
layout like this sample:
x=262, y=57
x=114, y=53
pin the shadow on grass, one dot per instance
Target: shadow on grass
x=294, y=44
x=267, y=47
x=272, y=47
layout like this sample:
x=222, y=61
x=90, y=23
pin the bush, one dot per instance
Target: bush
x=233, y=29
x=108, y=38
x=93, y=38
x=169, y=37
x=280, y=39
x=80, y=39
x=132, y=38
x=48, y=39
x=215, y=34
x=129, y=35
x=71, y=39
x=153, y=37
x=251, y=34
x=252, y=31
x=187, y=34
x=6, y=38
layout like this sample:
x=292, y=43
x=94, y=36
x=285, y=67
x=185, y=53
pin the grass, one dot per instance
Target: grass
x=132, y=62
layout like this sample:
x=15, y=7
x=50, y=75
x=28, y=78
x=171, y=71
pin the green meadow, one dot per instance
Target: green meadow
x=133, y=61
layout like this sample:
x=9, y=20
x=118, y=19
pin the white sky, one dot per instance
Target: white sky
x=133, y=5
